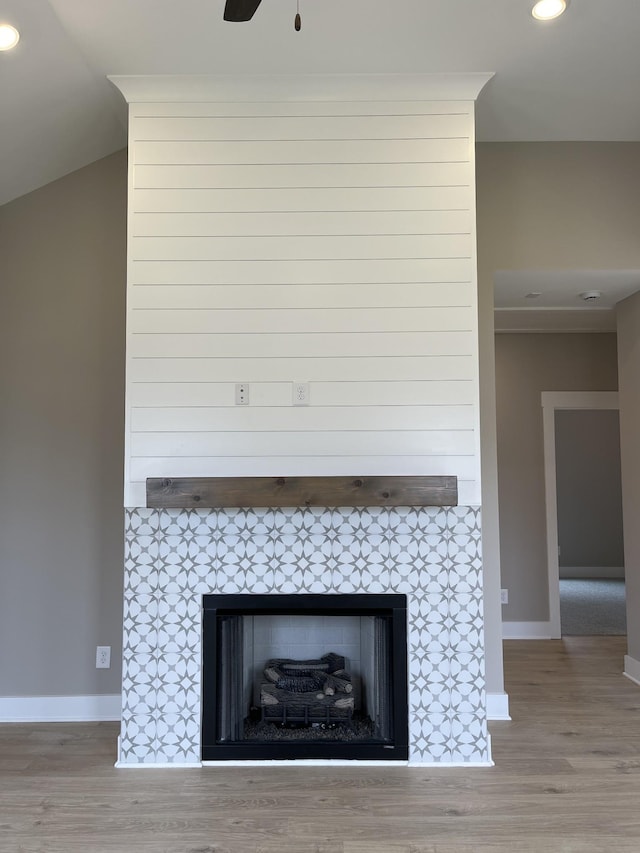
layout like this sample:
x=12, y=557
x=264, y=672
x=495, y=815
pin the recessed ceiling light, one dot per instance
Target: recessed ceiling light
x=545, y=10
x=9, y=37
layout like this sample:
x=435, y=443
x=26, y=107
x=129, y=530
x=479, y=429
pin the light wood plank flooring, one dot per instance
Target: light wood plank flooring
x=567, y=779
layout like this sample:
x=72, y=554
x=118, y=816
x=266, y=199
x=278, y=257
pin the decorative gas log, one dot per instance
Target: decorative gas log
x=307, y=690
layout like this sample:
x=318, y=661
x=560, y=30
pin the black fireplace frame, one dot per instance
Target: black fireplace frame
x=390, y=605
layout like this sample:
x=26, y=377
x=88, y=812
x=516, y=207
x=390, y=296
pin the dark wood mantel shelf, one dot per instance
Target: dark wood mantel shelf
x=217, y=492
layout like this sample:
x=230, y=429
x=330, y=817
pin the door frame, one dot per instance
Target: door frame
x=553, y=401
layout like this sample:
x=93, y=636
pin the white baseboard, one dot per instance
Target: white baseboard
x=526, y=630
x=498, y=706
x=579, y=572
x=59, y=709
x=632, y=668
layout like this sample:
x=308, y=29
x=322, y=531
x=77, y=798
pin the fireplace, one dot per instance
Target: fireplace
x=304, y=676
x=314, y=230
x=177, y=556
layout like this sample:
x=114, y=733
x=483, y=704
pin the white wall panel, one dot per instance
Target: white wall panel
x=325, y=125
x=255, y=442
x=311, y=223
x=277, y=296
x=361, y=270
x=324, y=369
x=332, y=241
x=297, y=345
x=308, y=199
x=296, y=320
x=298, y=247
x=304, y=418
x=281, y=175
x=349, y=394
x=148, y=111
x=292, y=151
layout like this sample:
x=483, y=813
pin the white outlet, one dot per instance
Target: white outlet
x=504, y=596
x=300, y=393
x=103, y=657
x=242, y=394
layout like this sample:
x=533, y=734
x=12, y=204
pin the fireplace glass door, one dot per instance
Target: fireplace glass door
x=304, y=676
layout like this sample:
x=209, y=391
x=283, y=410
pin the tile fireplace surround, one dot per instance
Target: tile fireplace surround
x=175, y=556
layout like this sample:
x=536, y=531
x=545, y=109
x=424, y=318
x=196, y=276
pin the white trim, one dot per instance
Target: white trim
x=301, y=87
x=60, y=709
x=632, y=669
x=526, y=631
x=551, y=402
x=297, y=762
x=596, y=572
x=163, y=765
x=498, y=706
x=580, y=399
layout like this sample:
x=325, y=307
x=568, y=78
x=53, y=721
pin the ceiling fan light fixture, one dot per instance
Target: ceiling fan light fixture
x=546, y=10
x=9, y=37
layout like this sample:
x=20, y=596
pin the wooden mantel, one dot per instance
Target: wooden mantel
x=217, y=492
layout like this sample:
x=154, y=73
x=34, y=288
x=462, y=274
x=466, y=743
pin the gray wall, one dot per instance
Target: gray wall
x=541, y=206
x=589, y=493
x=62, y=302
x=629, y=368
x=526, y=365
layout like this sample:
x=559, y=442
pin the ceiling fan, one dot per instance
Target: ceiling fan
x=240, y=10
x=244, y=10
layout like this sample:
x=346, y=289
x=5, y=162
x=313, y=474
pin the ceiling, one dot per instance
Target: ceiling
x=553, y=300
x=575, y=78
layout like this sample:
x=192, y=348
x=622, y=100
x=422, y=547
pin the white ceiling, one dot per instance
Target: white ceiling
x=575, y=78
x=560, y=306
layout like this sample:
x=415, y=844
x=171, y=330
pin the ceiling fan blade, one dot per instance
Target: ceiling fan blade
x=240, y=10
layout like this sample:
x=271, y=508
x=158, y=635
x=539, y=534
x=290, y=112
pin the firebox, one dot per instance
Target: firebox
x=304, y=676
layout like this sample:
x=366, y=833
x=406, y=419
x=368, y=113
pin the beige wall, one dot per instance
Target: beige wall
x=629, y=367
x=589, y=493
x=526, y=365
x=542, y=206
x=63, y=253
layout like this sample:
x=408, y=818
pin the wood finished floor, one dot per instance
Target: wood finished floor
x=567, y=779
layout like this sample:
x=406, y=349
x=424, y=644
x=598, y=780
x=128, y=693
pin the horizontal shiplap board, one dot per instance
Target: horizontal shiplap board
x=299, y=320
x=301, y=345
x=297, y=247
x=144, y=115
x=239, y=151
x=152, y=131
x=304, y=175
x=378, y=270
x=255, y=442
x=275, y=296
x=309, y=223
x=326, y=241
x=463, y=467
x=157, y=202
x=327, y=369
x=301, y=418
x=348, y=394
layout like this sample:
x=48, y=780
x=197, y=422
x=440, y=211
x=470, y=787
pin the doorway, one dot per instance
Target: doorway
x=578, y=538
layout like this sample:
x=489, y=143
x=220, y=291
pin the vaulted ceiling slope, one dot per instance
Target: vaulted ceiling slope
x=575, y=78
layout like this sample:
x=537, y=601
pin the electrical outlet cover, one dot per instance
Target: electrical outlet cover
x=300, y=393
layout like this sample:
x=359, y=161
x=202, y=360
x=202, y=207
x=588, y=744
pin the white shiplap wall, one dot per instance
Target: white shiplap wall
x=321, y=231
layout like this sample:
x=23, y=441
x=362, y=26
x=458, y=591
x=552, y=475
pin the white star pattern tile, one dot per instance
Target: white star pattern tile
x=432, y=555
